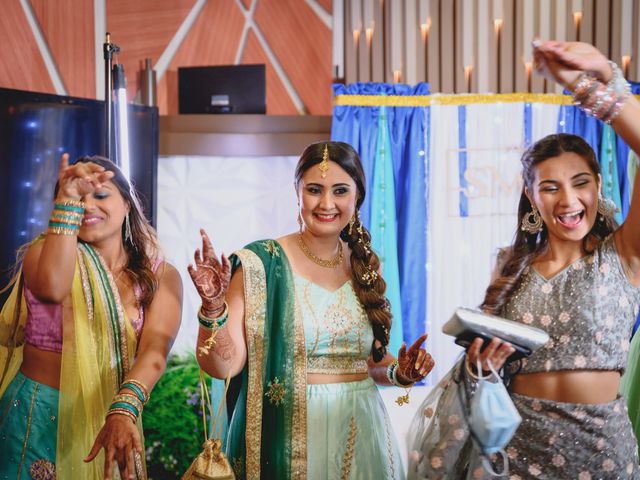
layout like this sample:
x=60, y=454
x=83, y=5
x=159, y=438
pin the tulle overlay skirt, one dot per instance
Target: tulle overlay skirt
x=349, y=435
x=28, y=429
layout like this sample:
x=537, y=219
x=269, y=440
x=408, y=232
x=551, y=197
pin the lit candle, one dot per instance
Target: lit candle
x=467, y=33
x=467, y=77
x=626, y=59
x=356, y=28
x=576, y=8
x=528, y=68
x=397, y=76
x=497, y=26
x=424, y=30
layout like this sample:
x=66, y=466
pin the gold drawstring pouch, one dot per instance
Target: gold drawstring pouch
x=211, y=463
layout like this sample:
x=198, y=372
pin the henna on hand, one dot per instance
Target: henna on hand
x=223, y=346
x=211, y=277
x=414, y=364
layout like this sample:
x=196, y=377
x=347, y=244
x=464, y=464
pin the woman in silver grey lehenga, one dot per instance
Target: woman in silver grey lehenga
x=572, y=272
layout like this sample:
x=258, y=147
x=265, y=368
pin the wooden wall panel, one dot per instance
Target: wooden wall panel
x=21, y=65
x=278, y=100
x=302, y=44
x=213, y=40
x=67, y=26
x=327, y=5
x=143, y=29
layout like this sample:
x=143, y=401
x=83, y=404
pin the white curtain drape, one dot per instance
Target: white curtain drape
x=235, y=199
x=462, y=249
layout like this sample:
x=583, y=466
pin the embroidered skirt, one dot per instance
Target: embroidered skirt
x=349, y=435
x=28, y=430
x=568, y=440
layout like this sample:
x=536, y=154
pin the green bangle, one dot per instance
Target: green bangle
x=214, y=323
x=135, y=389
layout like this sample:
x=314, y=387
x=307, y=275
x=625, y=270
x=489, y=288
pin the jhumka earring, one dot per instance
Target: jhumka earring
x=323, y=166
x=300, y=223
x=532, y=222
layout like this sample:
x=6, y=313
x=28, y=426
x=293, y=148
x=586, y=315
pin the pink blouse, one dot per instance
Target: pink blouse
x=44, y=320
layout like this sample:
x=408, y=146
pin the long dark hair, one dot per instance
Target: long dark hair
x=143, y=248
x=363, y=258
x=526, y=246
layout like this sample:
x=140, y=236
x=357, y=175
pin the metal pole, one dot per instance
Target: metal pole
x=108, y=49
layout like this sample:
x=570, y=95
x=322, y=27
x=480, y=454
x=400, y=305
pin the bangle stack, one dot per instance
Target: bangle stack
x=131, y=405
x=66, y=217
x=214, y=323
x=605, y=102
x=392, y=376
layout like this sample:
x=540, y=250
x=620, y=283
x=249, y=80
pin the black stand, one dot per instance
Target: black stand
x=108, y=49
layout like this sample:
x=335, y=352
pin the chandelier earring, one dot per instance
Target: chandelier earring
x=127, y=230
x=606, y=207
x=532, y=222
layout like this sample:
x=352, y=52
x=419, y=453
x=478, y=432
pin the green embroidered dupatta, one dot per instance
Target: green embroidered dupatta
x=268, y=431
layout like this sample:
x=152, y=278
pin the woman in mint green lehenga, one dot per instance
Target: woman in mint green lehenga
x=304, y=322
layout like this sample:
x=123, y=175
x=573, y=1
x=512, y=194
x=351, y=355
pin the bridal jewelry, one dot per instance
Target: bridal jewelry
x=332, y=263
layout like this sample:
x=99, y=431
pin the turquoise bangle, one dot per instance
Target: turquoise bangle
x=70, y=226
x=126, y=406
x=69, y=208
x=135, y=389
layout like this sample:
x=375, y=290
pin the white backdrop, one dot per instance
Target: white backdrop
x=236, y=200
x=462, y=249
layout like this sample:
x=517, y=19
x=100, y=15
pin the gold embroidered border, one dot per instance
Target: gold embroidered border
x=460, y=99
x=299, y=427
x=348, y=454
x=332, y=365
x=255, y=302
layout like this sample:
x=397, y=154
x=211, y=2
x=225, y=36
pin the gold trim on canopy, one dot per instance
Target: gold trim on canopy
x=461, y=99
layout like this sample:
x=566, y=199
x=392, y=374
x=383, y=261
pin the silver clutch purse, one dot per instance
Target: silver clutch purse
x=466, y=324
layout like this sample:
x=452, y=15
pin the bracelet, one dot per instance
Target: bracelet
x=139, y=388
x=132, y=400
x=125, y=406
x=66, y=217
x=214, y=323
x=122, y=411
x=605, y=102
x=392, y=371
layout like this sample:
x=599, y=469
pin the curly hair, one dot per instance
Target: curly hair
x=370, y=292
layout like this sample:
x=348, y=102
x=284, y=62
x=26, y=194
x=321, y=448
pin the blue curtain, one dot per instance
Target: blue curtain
x=406, y=146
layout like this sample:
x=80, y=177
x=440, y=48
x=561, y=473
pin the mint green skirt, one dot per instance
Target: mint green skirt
x=28, y=430
x=349, y=435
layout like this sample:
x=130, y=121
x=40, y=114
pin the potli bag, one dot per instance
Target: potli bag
x=211, y=463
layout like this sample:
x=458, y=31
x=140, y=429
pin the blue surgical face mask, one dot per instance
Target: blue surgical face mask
x=494, y=418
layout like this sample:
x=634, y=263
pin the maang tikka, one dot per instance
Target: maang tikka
x=323, y=166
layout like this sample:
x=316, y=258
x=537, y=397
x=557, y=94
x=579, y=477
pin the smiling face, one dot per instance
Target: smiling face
x=565, y=191
x=104, y=214
x=326, y=204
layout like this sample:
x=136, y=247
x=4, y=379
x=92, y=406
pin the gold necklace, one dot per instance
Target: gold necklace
x=332, y=263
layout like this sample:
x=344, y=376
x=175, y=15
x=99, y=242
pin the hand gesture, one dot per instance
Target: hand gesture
x=211, y=277
x=121, y=441
x=80, y=179
x=497, y=352
x=413, y=364
x=564, y=62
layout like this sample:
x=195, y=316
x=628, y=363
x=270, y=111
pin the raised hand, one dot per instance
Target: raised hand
x=211, y=277
x=414, y=364
x=563, y=62
x=80, y=179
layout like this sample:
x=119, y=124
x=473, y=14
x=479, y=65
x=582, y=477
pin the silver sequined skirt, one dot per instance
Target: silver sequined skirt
x=559, y=440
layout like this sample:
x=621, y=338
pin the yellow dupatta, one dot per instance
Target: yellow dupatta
x=98, y=348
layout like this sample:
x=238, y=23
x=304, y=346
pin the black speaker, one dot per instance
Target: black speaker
x=222, y=89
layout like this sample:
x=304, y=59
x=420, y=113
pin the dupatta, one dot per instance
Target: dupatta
x=98, y=348
x=268, y=431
